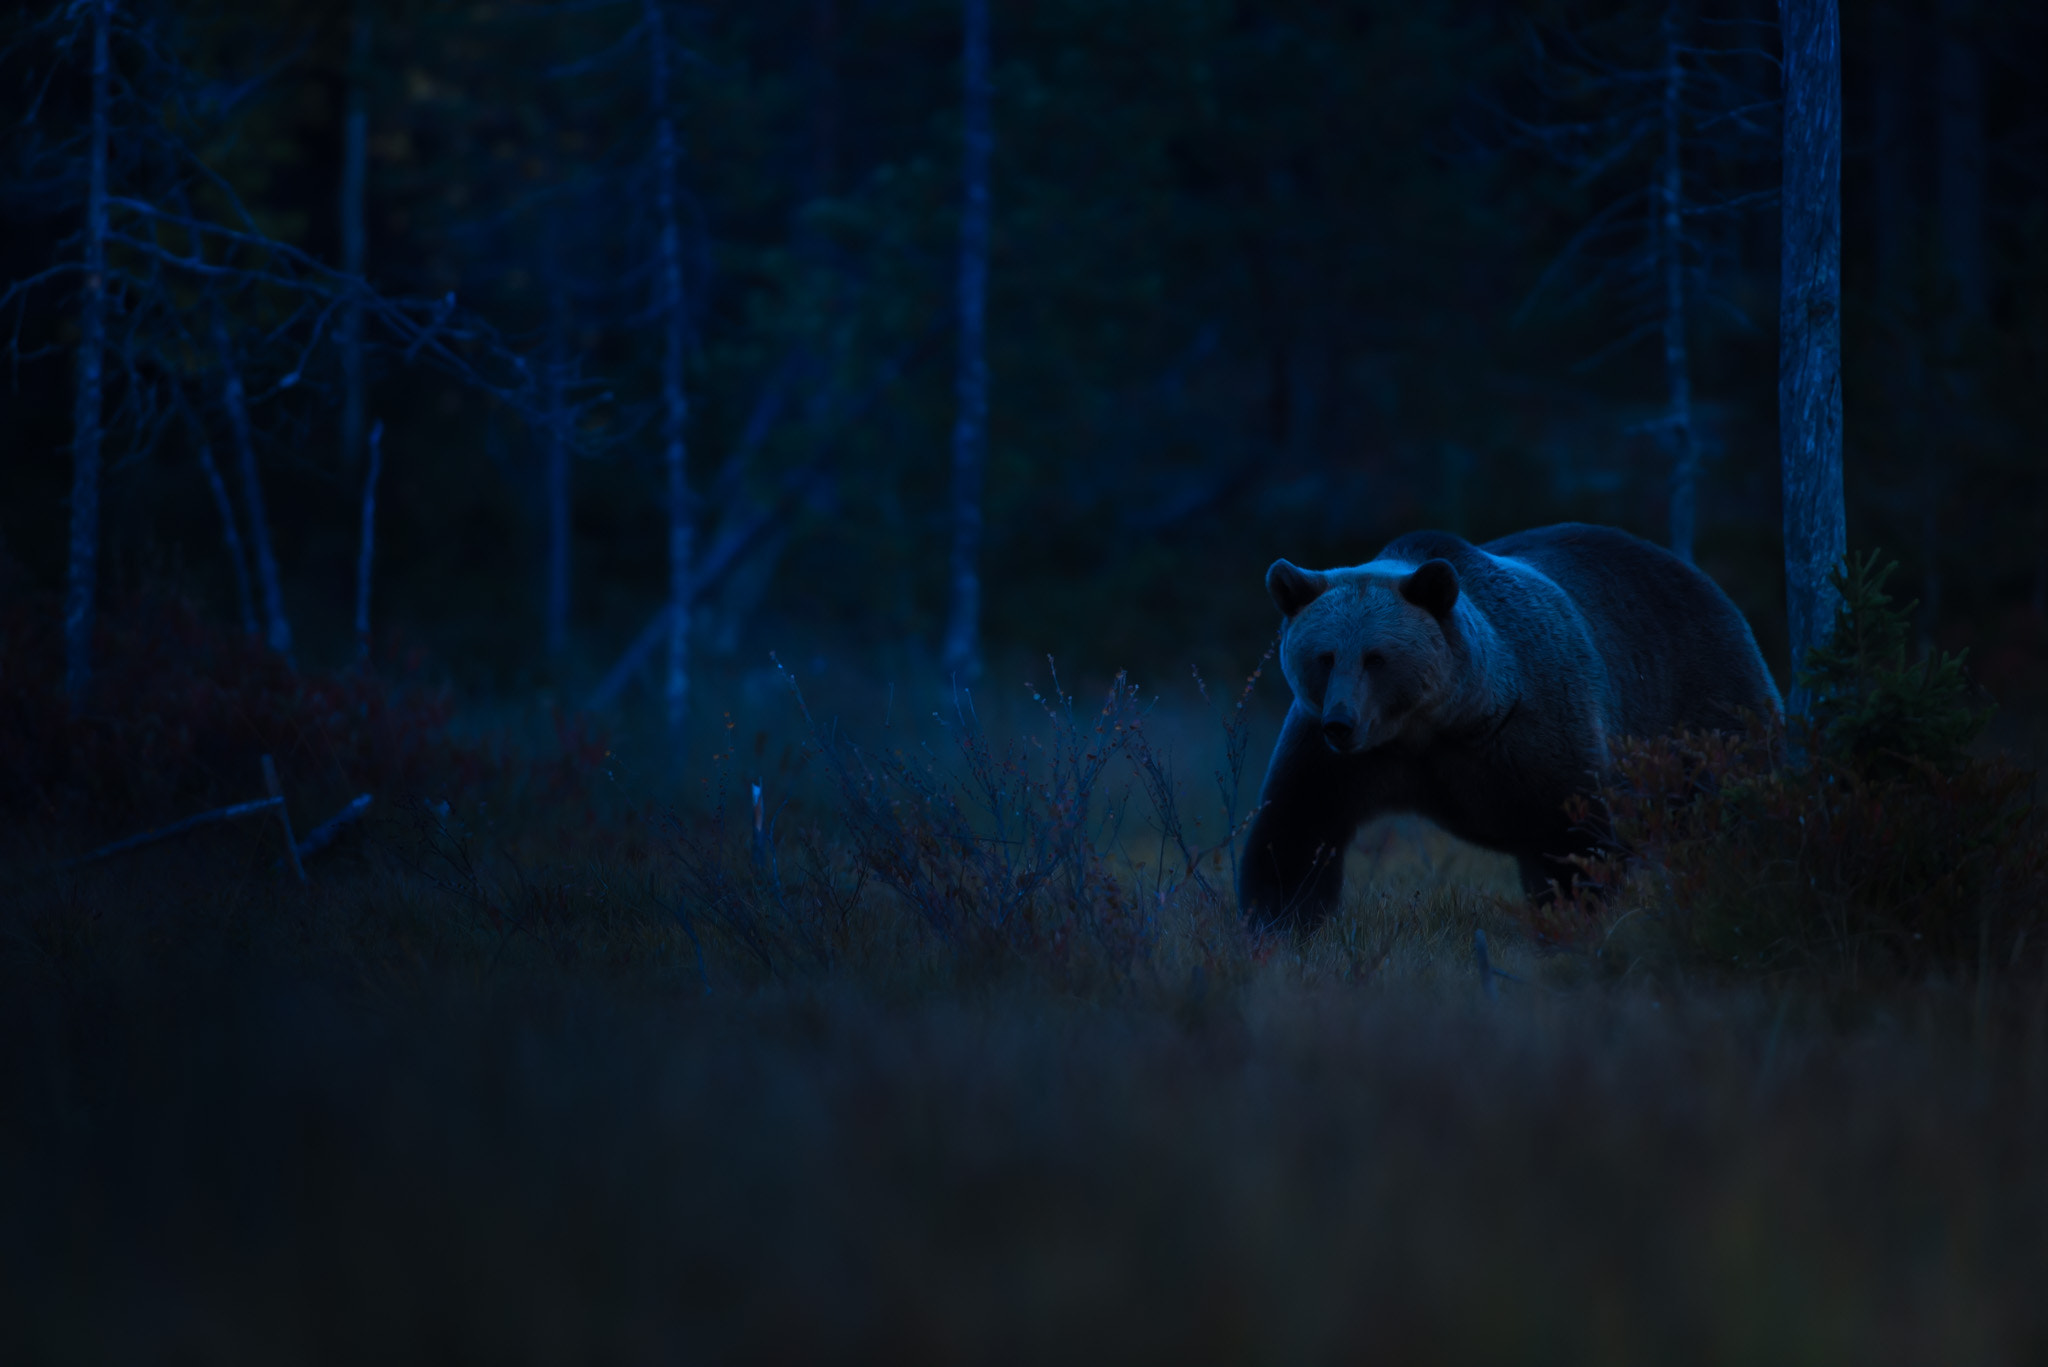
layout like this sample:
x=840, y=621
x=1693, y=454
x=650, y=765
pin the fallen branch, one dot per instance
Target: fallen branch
x=322, y=835
x=317, y=839
x=228, y=813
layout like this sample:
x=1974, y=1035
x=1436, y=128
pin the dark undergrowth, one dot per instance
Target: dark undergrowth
x=945, y=1047
x=1863, y=853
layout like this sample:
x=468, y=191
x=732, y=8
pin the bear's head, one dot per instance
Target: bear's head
x=1369, y=649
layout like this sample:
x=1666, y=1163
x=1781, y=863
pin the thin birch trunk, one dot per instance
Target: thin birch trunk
x=366, y=555
x=1893, y=202
x=1677, y=364
x=245, y=602
x=1959, y=121
x=355, y=162
x=277, y=628
x=82, y=563
x=970, y=425
x=1810, y=322
x=824, y=97
x=1959, y=198
x=557, y=494
x=231, y=535
x=674, y=401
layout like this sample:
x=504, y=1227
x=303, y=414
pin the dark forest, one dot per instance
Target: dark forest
x=636, y=660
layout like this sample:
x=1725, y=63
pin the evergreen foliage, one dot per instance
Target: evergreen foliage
x=1875, y=710
x=1857, y=846
x=1261, y=279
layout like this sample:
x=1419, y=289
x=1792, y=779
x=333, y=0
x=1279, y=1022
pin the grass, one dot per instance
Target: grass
x=554, y=1074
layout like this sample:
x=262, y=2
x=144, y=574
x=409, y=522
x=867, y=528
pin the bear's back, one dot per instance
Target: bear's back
x=1677, y=650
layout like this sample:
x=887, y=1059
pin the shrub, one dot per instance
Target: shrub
x=181, y=709
x=1875, y=712
x=1861, y=844
x=1062, y=856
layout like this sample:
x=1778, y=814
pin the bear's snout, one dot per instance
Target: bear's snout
x=1340, y=727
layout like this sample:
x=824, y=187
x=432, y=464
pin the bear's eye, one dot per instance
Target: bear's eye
x=1373, y=659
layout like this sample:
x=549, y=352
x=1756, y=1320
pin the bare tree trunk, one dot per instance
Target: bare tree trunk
x=231, y=535
x=1677, y=364
x=245, y=602
x=355, y=161
x=824, y=96
x=81, y=571
x=1895, y=210
x=674, y=401
x=1810, y=322
x=277, y=628
x=558, y=509
x=1959, y=199
x=1959, y=119
x=366, y=555
x=970, y=425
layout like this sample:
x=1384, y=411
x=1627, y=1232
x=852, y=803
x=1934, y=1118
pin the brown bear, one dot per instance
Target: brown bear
x=1480, y=686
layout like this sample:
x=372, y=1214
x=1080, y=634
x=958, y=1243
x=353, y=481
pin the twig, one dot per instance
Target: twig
x=291, y=843
x=1486, y=973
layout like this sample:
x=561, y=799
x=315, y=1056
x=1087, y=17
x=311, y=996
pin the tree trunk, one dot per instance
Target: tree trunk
x=1895, y=208
x=970, y=425
x=277, y=629
x=366, y=555
x=245, y=602
x=1677, y=363
x=231, y=535
x=1810, y=322
x=1959, y=119
x=355, y=160
x=82, y=564
x=558, y=509
x=674, y=402
x=1965, y=286
x=824, y=97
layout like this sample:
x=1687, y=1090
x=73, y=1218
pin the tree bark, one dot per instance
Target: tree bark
x=277, y=629
x=355, y=162
x=1677, y=362
x=1810, y=322
x=366, y=555
x=231, y=535
x=1895, y=211
x=81, y=570
x=824, y=97
x=674, y=401
x=1964, y=278
x=970, y=425
x=1959, y=120
x=558, y=509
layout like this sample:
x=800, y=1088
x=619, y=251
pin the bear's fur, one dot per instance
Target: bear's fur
x=1480, y=686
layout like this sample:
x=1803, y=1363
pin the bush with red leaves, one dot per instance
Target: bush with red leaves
x=181, y=710
x=1733, y=858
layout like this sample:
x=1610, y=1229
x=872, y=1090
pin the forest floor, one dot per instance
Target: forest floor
x=493, y=1086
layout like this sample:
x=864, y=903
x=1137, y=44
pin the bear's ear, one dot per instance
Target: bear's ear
x=1293, y=588
x=1433, y=587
